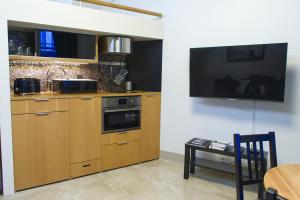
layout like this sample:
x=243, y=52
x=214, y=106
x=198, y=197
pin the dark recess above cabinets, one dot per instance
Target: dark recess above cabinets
x=145, y=65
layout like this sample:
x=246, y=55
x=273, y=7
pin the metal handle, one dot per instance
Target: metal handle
x=42, y=113
x=123, y=132
x=86, y=98
x=86, y=165
x=123, y=109
x=122, y=143
x=42, y=99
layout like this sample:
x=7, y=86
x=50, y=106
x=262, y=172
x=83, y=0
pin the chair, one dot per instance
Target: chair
x=256, y=161
x=271, y=194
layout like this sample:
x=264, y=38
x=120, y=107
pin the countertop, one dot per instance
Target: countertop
x=57, y=95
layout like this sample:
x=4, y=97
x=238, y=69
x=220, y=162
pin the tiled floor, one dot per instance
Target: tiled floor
x=161, y=180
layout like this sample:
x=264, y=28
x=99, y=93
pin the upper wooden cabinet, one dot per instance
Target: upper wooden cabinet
x=41, y=148
x=150, y=137
x=34, y=44
x=85, y=129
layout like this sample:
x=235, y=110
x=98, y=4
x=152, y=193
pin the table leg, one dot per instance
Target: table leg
x=193, y=156
x=186, y=162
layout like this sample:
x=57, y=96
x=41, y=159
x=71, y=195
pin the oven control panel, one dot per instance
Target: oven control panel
x=108, y=102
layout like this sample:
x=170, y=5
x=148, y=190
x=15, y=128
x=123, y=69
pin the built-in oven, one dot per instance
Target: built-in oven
x=121, y=114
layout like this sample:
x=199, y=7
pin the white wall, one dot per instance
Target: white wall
x=201, y=23
x=64, y=17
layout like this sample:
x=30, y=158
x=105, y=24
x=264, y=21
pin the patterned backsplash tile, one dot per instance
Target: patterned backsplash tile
x=105, y=72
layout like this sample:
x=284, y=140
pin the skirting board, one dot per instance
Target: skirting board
x=171, y=156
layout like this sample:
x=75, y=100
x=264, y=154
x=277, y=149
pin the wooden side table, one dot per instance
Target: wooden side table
x=190, y=159
x=285, y=179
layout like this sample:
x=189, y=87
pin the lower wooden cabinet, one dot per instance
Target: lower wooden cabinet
x=150, y=133
x=85, y=168
x=85, y=129
x=59, y=139
x=41, y=148
x=123, y=151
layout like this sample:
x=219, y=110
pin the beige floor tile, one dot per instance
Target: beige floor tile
x=155, y=180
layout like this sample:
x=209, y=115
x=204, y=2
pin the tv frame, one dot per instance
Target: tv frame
x=233, y=98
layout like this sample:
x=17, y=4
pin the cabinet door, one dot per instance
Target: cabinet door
x=120, y=154
x=85, y=129
x=150, y=137
x=41, y=150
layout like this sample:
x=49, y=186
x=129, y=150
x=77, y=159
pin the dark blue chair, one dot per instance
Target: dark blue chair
x=271, y=194
x=256, y=161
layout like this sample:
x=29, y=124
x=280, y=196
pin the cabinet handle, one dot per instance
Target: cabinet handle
x=86, y=165
x=42, y=99
x=122, y=143
x=42, y=113
x=86, y=98
x=122, y=132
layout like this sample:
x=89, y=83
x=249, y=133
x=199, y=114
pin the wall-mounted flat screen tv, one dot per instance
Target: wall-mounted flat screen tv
x=255, y=72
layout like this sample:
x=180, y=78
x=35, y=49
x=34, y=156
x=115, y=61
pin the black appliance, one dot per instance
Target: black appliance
x=23, y=86
x=254, y=72
x=71, y=86
x=121, y=114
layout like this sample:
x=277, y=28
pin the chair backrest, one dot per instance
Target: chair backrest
x=255, y=157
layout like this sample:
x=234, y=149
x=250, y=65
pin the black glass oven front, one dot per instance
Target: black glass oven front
x=124, y=119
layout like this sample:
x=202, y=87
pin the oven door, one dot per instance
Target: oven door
x=121, y=119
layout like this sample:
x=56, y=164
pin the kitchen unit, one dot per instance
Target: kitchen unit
x=59, y=136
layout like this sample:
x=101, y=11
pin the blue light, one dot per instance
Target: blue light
x=47, y=44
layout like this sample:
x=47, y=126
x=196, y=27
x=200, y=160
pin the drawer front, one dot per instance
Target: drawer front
x=120, y=137
x=39, y=105
x=85, y=168
x=120, y=154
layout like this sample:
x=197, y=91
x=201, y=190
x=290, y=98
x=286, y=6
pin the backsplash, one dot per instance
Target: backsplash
x=104, y=73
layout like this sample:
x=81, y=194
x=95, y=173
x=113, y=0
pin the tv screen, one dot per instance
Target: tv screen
x=255, y=72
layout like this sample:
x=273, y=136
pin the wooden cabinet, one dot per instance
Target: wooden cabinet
x=64, y=46
x=150, y=135
x=56, y=139
x=85, y=129
x=120, y=149
x=41, y=150
x=84, y=168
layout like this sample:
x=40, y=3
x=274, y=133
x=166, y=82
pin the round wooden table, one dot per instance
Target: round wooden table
x=285, y=179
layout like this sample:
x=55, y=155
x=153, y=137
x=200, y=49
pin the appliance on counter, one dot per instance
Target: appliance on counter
x=71, y=86
x=25, y=86
x=115, y=45
x=121, y=114
x=255, y=72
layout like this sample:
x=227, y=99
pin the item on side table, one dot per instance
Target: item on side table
x=200, y=142
x=219, y=145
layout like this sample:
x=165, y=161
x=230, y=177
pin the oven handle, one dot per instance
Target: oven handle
x=120, y=110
